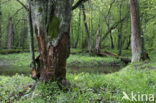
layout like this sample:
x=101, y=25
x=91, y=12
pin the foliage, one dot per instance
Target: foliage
x=85, y=87
x=11, y=88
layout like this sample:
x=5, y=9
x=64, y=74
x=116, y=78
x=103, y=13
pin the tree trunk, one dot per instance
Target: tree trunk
x=91, y=31
x=144, y=53
x=120, y=32
x=51, y=22
x=79, y=28
x=10, y=32
x=138, y=52
x=98, y=40
x=72, y=36
x=31, y=40
x=128, y=43
x=129, y=36
x=111, y=38
x=24, y=35
x=86, y=28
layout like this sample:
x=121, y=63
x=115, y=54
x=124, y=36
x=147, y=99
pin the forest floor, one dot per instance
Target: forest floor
x=138, y=78
x=76, y=59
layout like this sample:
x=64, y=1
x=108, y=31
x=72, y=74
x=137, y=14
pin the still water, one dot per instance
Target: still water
x=12, y=70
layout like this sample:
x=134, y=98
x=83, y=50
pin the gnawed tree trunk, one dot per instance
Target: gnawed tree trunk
x=86, y=28
x=51, y=22
x=138, y=51
x=98, y=40
x=10, y=32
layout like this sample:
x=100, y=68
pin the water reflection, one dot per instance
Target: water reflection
x=12, y=70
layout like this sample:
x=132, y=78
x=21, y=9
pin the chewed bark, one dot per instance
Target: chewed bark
x=51, y=23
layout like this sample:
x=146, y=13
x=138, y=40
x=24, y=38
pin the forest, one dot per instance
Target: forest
x=77, y=51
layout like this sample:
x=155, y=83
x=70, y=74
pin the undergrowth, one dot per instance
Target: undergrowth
x=85, y=87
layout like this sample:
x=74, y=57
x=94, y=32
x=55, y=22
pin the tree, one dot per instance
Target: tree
x=24, y=34
x=138, y=51
x=51, y=22
x=79, y=29
x=86, y=28
x=120, y=31
x=107, y=20
x=98, y=40
x=10, y=32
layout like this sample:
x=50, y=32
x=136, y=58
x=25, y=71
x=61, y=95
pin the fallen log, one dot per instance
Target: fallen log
x=123, y=59
x=106, y=53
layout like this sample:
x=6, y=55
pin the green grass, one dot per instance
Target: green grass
x=89, y=61
x=23, y=59
x=85, y=87
x=139, y=78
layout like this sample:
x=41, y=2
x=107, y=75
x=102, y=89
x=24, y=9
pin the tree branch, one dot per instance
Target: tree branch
x=79, y=3
x=27, y=9
x=114, y=26
x=17, y=12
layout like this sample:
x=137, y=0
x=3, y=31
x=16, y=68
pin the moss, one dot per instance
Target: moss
x=40, y=10
x=53, y=28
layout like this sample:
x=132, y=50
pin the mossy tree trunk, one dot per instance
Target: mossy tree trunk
x=51, y=23
x=138, y=51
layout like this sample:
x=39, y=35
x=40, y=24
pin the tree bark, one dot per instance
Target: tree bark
x=86, y=28
x=91, y=7
x=79, y=29
x=128, y=43
x=51, y=22
x=120, y=32
x=31, y=40
x=10, y=32
x=138, y=51
x=98, y=40
x=24, y=35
